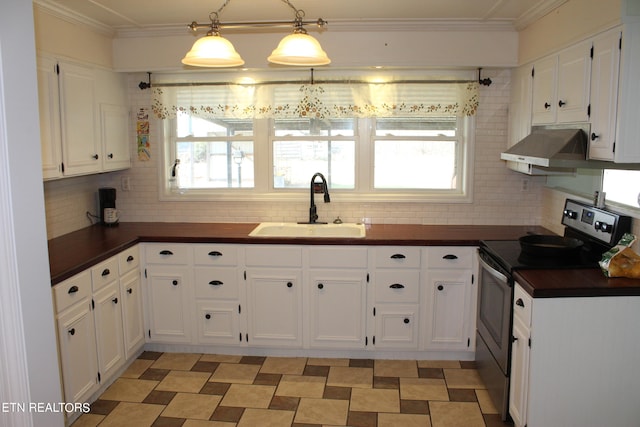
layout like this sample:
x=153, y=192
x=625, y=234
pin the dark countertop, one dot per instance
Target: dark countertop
x=79, y=250
x=590, y=282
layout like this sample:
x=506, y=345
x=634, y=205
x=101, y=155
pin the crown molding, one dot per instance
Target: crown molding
x=68, y=15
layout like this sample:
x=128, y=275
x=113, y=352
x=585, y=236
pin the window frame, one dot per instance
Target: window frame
x=363, y=190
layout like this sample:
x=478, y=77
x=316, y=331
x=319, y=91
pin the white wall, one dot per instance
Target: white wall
x=498, y=198
x=29, y=367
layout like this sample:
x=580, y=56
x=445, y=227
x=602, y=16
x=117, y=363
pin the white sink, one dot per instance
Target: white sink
x=292, y=229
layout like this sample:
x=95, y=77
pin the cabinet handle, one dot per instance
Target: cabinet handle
x=166, y=252
x=406, y=320
x=215, y=253
x=519, y=302
x=73, y=289
x=174, y=283
x=207, y=316
x=72, y=331
x=561, y=103
x=320, y=286
x=105, y=272
x=547, y=105
x=397, y=286
x=95, y=157
x=115, y=300
x=289, y=285
x=110, y=155
x=216, y=283
x=397, y=256
x=130, y=258
x=594, y=136
x=129, y=291
x=514, y=339
x=450, y=256
x=440, y=287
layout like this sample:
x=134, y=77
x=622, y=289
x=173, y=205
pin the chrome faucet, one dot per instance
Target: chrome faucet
x=313, y=212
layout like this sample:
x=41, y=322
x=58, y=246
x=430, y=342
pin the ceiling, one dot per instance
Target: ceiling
x=146, y=14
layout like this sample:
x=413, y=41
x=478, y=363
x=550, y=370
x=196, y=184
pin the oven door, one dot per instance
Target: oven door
x=495, y=296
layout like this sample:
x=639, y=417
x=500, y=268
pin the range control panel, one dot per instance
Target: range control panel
x=597, y=223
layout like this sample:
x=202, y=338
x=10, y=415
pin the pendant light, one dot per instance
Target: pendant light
x=297, y=49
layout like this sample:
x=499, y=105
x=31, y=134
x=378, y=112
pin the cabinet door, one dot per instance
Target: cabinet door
x=604, y=95
x=520, y=104
x=132, y=320
x=114, y=124
x=574, y=79
x=80, y=139
x=545, y=74
x=169, y=304
x=519, y=373
x=218, y=322
x=449, y=321
x=396, y=326
x=49, y=108
x=78, y=357
x=274, y=300
x=109, y=334
x=337, y=309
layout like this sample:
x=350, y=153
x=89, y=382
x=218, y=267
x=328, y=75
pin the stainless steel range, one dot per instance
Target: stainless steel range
x=589, y=232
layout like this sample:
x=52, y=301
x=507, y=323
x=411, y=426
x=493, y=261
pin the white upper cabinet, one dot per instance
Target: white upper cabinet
x=84, y=119
x=561, y=86
x=604, y=94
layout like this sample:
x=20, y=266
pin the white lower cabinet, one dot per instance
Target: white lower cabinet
x=99, y=323
x=397, y=326
x=170, y=304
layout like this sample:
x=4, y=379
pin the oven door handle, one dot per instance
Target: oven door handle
x=499, y=276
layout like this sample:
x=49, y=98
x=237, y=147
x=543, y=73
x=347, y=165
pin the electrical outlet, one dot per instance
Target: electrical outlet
x=638, y=199
x=125, y=182
x=524, y=185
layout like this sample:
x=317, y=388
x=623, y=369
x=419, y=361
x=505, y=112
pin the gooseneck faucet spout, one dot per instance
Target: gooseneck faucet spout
x=313, y=211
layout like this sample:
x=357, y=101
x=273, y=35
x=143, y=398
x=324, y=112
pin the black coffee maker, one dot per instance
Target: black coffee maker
x=108, y=213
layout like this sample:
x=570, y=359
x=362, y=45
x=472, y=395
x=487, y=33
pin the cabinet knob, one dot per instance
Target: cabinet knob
x=397, y=286
x=450, y=256
x=95, y=157
x=207, y=316
x=129, y=291
x=320, y=286
x=115, y=300
x=561, y=103
x=397, y=256
x=166, y=252
x=519, y=302
x=72, y=331
x=110, y=155
x=105, y=272
x=289, y=285
x=73, y=289
x=130, y=258
x=440, y=287
x=215, y=253
x=547, y=105
x=594, y=136
x=406, y=320
x=174, y=283
x=216, y=283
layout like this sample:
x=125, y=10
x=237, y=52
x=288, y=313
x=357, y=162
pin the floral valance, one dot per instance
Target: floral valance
x=319, y=100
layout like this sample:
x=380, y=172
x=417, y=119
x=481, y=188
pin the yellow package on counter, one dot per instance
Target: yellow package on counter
x=621, y=260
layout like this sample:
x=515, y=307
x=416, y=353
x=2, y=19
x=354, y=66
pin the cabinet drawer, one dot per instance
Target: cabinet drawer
x=397, y=257
x=104, y=273
x=72, y=290
x=167, y=253
x=273, y=256
x=128, y=260
x=215, y=255
x=220, y=283
x=450, y=257
x=522, y=303
x=397, y=286
x=338, y=257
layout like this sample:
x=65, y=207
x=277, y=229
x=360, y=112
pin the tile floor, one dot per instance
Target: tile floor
x=205, y=390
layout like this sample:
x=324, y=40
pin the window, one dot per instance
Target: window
x=213, y=153
x=362, y=158
x=622, y=186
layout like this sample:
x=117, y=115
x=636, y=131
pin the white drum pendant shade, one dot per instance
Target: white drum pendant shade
x=299, y=49
x=213, y=51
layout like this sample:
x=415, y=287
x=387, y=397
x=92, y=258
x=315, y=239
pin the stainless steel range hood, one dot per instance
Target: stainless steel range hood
x=552, y=148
